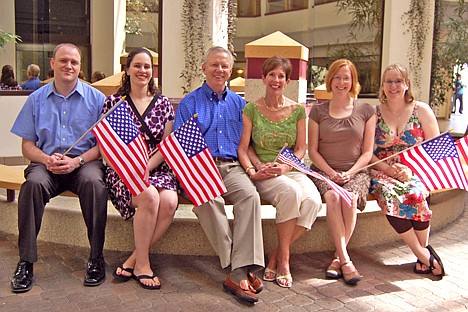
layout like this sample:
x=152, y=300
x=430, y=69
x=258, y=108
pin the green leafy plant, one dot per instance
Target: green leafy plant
x=417, y=20
x=195, y=33
x=6, y=37
x=194, y=28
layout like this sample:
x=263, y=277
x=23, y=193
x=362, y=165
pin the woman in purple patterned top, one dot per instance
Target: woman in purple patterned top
x=153, y=209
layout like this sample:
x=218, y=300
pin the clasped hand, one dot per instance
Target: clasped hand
x=341, y=178
x=59, y=164
x=400, y=172
x=269, y=170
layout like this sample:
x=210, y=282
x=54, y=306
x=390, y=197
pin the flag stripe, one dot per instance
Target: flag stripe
x=123, y=145
x=198, y=174
x=119, y=155
x=287, y=156
x=183, y=168
x=462, y=147
x=437, y=163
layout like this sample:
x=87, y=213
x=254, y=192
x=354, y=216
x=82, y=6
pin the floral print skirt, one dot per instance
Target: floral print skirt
x=406, y=200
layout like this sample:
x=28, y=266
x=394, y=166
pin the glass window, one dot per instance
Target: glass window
x=248, y=8
x=317, y=2
x=274, y=6
x=44, y=24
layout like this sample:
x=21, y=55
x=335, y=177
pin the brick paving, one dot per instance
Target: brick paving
x=191, y=283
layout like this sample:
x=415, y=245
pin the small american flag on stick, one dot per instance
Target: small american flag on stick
x=124, y=147
x=436, y=163
x=186, y=152
x=286, y=156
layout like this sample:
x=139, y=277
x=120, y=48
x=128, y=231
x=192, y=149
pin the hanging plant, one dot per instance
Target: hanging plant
x=231, y=7
x=194, y=28
x=417, y=20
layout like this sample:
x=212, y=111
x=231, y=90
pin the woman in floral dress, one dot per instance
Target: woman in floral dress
x=403, y=122
x=154, y=208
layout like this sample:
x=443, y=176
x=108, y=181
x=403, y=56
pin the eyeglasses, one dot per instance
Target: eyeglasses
x=344, y=79
x=396, y=82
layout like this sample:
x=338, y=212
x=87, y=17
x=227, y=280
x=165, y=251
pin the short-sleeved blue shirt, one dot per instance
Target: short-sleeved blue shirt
x=55, y=122
x=31, y=84
x=220, y=119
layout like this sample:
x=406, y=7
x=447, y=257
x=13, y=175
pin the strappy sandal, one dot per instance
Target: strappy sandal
x=333, y=271
x=353, y=277
x=435, y=256
x=284, y=281
x=417, y=271
x=269, y=275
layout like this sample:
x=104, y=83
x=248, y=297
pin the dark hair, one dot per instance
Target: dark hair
x=8, y=76
x=277, y=61
x=125, y=86
x=97, y=75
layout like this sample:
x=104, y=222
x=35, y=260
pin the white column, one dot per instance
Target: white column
x=107, y=34
x=218, y=23
x=396, y=41
x=172, y=48
x=7, y=22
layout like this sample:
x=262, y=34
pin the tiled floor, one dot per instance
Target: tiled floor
x=195, y=283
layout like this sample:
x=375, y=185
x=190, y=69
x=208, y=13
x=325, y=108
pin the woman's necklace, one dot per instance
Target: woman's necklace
x=280, y=107
x=397, y=116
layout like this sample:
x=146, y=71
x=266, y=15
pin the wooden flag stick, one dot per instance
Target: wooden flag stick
x=394, y=155
x=95, y=124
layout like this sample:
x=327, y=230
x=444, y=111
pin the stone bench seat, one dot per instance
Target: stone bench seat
x=63, y=223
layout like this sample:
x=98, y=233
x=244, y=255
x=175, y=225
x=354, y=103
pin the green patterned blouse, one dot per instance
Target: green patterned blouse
x=268, y=137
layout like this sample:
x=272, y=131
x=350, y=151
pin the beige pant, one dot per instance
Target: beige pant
x=293, y=195
x=244, y=244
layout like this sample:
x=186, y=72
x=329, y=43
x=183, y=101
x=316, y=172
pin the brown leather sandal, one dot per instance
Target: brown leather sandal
x=353, y=277
x=333, y=271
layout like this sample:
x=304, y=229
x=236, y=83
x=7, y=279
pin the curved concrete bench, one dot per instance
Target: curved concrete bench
x=63, y=223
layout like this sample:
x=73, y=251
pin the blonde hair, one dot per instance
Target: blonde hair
x=335, y=67
x=409, y=97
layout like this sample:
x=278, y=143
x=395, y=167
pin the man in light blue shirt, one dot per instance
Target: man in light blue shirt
x=33, y=82
x=51, y=120
x=220, y=117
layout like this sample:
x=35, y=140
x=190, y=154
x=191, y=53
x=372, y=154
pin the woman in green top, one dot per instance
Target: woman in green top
x=269, y=123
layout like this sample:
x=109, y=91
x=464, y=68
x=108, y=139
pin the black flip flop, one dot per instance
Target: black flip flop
x=415, y=270
x=435, y=256
x=144, y=276
x=120, y=277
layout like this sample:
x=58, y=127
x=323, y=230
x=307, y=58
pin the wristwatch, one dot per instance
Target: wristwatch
x=81, y=160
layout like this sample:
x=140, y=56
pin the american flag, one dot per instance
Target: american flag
x=123, y=145
x=436, y=163
x=286, y=156
x=186, y=152
x=462, y=147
